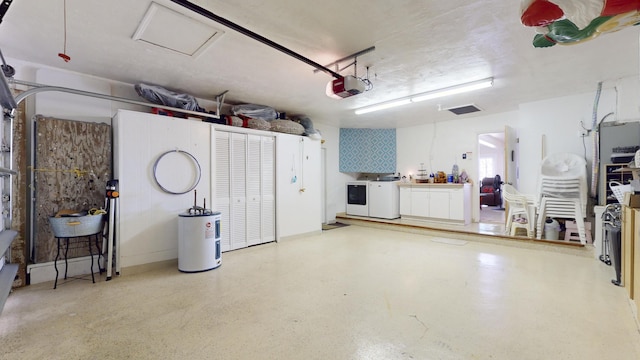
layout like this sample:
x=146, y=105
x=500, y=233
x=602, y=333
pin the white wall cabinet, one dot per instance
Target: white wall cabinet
x=242, y=171
x=244, y=188
x=299, y=172
x=442, y=202
x=148, y=219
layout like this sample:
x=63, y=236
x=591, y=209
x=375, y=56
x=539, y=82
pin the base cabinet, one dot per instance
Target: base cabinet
x=441, y=202
x=420, y=202
x=405, y=201
x=628, y=242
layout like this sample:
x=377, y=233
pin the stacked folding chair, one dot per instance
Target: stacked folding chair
x=521, y=207
x=563, y=191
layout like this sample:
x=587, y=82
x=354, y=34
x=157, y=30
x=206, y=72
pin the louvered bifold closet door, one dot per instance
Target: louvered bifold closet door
x=223, y=186
x=254, y=170
x=238, y=191
x=268, y=190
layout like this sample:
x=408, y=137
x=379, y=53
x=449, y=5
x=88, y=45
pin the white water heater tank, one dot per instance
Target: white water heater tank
x=199, y=241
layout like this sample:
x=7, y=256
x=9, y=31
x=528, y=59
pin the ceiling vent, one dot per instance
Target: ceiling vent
x=174, y=31
x=465, y=109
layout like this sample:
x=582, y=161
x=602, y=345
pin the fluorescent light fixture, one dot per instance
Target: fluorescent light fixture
x=453, y=90
x=387, y=105
x=459, y=89
x=486, y=143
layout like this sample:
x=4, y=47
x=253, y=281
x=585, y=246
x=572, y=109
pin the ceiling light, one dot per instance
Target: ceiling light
x=486, y=143
x=383, y=106
x=458, y=89
x=453, y=90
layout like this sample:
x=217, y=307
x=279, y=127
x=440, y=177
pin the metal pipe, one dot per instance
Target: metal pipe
x=36, y=88
x=352, y=56
x=244, y=31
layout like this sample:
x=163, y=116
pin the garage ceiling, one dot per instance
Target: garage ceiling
x=420, y=46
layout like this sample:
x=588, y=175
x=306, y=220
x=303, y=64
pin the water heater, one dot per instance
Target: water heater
x=199, y=241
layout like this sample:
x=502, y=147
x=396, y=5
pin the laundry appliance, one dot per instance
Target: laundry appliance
x=358, y=198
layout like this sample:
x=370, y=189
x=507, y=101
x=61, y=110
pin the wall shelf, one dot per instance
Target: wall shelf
x=7, y=275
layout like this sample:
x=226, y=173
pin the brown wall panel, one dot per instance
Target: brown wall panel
x=72, y=166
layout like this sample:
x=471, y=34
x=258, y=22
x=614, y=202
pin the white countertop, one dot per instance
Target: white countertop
x=453, y=185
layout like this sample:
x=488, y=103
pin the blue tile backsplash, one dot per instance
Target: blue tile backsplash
x=368, y=151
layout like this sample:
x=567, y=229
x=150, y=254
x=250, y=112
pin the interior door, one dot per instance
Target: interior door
x=238, y=191
x=511, y=156
x=268, y=189
x=223, y=186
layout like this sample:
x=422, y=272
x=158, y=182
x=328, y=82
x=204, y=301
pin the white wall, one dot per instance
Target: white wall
x=552, y=126
x=557, y=118
x=335, y=186
x=628, y=104
x=440, y=145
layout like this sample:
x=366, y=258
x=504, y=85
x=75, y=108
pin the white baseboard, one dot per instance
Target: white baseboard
x=43, y=272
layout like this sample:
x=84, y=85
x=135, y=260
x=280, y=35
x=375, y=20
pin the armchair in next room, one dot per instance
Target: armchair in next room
x=490, y=194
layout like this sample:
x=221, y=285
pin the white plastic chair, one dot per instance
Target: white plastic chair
x=519, y=205
x=563, y=190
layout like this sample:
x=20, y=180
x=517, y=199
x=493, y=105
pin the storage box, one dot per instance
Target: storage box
x=632, y=200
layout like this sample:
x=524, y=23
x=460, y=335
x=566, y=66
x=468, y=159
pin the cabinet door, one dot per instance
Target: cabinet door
x=268, y=189
x=222, y=190
x=238, y=191
x=254, y=190
x=439, y=203
x=636, y=260
x=456, y=204
x=420, y=202
x=628, y=240
x=405, y=201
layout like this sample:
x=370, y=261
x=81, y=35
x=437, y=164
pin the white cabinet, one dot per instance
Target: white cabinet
x=244, y=188
x=442, y=202
x=457, y=204
x=148, y=216
x=420, y=202
x=299, y=186
x=438, y=203
x=405, y=201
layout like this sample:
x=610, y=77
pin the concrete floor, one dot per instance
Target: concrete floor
x=350, y=293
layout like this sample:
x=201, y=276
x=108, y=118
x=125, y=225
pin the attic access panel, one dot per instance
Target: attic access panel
x=174, y=31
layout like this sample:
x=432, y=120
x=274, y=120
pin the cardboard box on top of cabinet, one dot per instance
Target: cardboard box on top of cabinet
x=632, y=200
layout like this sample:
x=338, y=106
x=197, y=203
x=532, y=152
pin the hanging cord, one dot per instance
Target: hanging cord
x=294, y=175
x=63, y=54
x=595, y=161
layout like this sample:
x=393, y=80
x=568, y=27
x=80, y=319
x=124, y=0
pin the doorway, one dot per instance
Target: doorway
x=491, y=174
